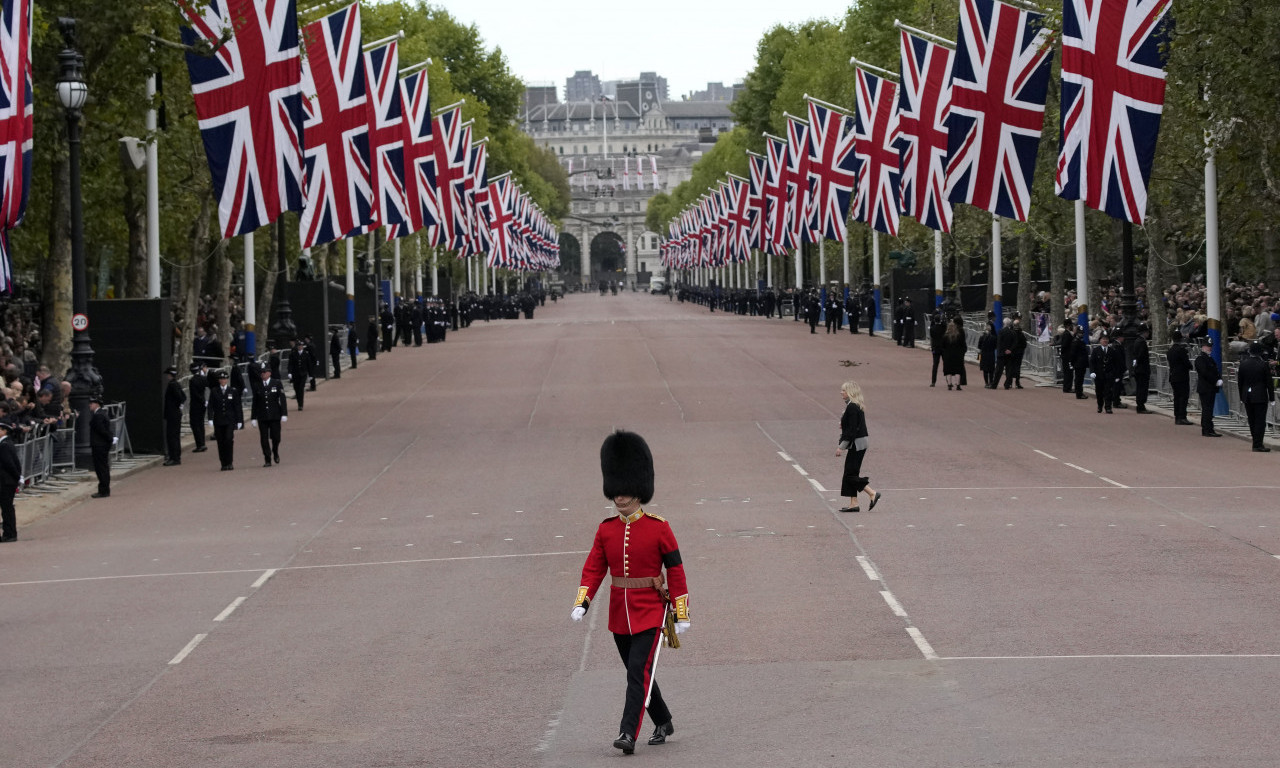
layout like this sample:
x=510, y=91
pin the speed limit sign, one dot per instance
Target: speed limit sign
x=80, y=322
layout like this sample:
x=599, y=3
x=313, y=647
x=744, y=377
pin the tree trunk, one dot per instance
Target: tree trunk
x=1026, y=247
x=265, y=298
x=222, y=297
x=135, y=218
x=193, y=283
x=56, y=324
x=964, y=271
x=1158, y=269
x=1270, y=256
x=1057, y=285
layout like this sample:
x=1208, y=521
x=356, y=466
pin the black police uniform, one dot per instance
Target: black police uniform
x=1179, y=380
x=227, y=415
x=174, y=399
x=100, y=437
x=1257, y=391
x=198, y=386
x=270, y=406
x=1207, y=376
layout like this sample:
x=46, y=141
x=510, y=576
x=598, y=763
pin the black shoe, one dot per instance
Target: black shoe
x=276, y=457
x=266, y=463
x=201, y=449
x=170, y=463
x=934, y=384
x=1110, y=411
x=1100, y=410
x=851, y=509
x=661, y=733
x=1016, y=386
x=1211, y=434
x=626, y=743
x=228, y=468
x=1121, y=405
x=1256, y=449
x=1082, y=397
x=874, y=501
x=1006, y=386
x=1143, y=410
x=948, y=387
x=100, y=495
x=1183, y=423
x=7, y=539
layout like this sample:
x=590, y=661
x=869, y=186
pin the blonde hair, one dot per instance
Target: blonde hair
x=854, y=392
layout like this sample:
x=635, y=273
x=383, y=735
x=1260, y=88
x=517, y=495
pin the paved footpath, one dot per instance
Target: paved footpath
x=1040, y=585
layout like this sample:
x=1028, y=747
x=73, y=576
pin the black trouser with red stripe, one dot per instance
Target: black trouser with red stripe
x=637, y=652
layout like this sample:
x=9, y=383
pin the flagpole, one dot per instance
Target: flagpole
x=937, y=268
x=153, y=196
x=875, y=279
x=351, y=281
x=822, y=261
x=1082, y=275
x=435, y=270
x=845, y=244
x=417, y=269
x=997, y=274
x=799, y=251
x=250, y=300
x=395, y=269
x=1212, y=284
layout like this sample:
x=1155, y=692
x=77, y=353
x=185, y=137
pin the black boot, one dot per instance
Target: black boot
x=661, y=732
x=626, y=743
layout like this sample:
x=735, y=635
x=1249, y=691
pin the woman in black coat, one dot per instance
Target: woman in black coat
x=987, y=355
x=853, y=438
x=953, y=349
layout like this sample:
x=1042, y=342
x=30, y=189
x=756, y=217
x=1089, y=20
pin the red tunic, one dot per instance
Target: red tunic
x=636, y=549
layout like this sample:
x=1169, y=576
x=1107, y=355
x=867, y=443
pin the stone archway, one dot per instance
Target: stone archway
x=570, y=256
x=608, y=257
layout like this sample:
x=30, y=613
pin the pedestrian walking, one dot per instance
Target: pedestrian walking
x=353, y=344
x=10, y=480
x=634, y=547
x=174, y=399
x=853, y=440
x=988, y=345
x=270, y=409
x=1208, y=382
x=1257, y=392
x=299, y=371
x=937, y=329
x=100, y=441
x=954, y=348
x=1179, y=377
x=198, y=386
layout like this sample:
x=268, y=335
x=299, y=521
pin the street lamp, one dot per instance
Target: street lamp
x=84, y=378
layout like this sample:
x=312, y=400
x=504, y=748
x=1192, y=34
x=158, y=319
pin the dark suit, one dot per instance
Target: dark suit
x=1179, y=379
x=299, y=372
x=335, y=355
x=1066, y=340
x=1107, y=364
x=269, y=407
x=10, y=478
x=1079, y=364
x=100, y=437
x=174, y=398
x=1257, y=391
x=227, y=415
x=1207, y=376
x=199, y=388
x=1141, y=371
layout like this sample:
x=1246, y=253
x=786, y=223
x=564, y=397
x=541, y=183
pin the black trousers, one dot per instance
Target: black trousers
x=226, y=438
x=1141, y=384
x=638, y=652
x=299, y=391
x=336, y=357
x=269, y=434
x=1206, y=411
x=871, y=325
x=1066, y=376
x=1181, y=396
x=102, y=468
x=1079, y=374
x=197, y=428
x=417, y=335
x=937, y=358
x=173, y=438
x=853, y=323
x=1102, y=389
x=8, y=516
x=1257, y=413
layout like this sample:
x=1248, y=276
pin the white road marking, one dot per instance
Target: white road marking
x=922, y=644
x=1118, y=656
x=785, y=457
x=1082, y=469
x=191, y=646
x=1042, y=453
x=817, y=486
x=1113, y=482
x=229, y=609
x=867, y=567
x=894, y=605
x=800, y=469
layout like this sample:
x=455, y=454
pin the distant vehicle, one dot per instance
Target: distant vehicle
x=657, y=285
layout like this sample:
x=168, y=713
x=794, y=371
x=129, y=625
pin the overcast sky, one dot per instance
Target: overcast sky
x=689, y=42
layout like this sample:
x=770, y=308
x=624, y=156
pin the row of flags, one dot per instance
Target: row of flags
x=623, y=178
x=319, y=124
x=960, y=123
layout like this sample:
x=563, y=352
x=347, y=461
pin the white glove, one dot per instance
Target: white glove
x=115, y=440
x=254, y=422
x=240, y=425
x=682, y=627
x=1219, y=382
x=1093, y=375
x=577, y=613
x=211, y=422
x=284, y=419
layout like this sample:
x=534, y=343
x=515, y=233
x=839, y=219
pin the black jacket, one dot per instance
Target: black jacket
x=1141, y=357
x=335, y=346
x=1207, y=374
x=1179, y=364
x=199, y=386
x=100, y=431
x=1066, y=340
x=225, y=408
x=10, y=464
x=1254, y=377
x=269, y=402
x=853, y=424
x=1079, y=353
x=174, y=398
x=1107, y=362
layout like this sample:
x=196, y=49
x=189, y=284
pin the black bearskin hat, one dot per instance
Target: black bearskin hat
x=627, y=466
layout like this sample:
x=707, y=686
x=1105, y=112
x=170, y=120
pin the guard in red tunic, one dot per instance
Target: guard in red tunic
x=634, y=547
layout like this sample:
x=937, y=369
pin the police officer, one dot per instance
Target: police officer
x=1079, y=361
x=270, y=409
x=634, y=547
x=1141, y=368
x=371, y=337
x=855, y=313
x=198, y=386
x=1257, y=392
x=226, y=415
x=908, y=324
x=1179, y=377
x=174, y=399
x=353, y=344
x=10, y=480
x=1107, y=367
x=335, y=353
x=1208, y=382
x=1065, y=340
x=100, y=441
x=299, y=370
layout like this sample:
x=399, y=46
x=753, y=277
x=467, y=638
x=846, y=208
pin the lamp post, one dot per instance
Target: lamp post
x=84, y=378
x=283, y=331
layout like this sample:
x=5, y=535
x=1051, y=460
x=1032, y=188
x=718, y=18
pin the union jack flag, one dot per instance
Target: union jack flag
x=15, y=125
x=501, y=231
x=480, y=210
x=339, y=189
x=998, y=86
x=417, y=153
x=755, y=197
x=876, y=202
x=387, y=132
x=451, y=146
x=799, y=198
x=924, y=100
x=1113, y=82
x=776, y=223
x=738, y=194
x=248, y=98
x=832, y=170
